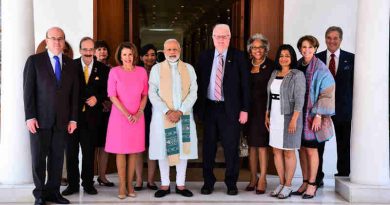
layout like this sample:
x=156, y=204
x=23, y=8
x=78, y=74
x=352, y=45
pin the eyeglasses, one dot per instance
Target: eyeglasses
x=59, y=39
x=221, y=37
x=258, y=48
x=87, y=49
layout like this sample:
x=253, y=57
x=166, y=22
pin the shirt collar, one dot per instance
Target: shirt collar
x=51, y=55
x=89, y=66
x=336, y=53
x=223, y=53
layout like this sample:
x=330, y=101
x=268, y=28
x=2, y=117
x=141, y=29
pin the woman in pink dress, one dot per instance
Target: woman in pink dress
x=127, y=89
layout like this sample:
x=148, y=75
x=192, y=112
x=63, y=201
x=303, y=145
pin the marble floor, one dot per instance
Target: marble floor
x=21, y=194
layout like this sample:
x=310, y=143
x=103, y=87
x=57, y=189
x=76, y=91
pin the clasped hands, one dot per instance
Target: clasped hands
x=91, y=101
x=174, y=115
x=134, y=117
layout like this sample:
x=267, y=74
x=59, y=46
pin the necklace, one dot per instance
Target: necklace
x=257, y=65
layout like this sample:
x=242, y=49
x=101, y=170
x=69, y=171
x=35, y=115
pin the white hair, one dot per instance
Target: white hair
x=171, y=40
x=222, y=26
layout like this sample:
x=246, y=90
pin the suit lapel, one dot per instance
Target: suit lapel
x=209, y=65
x=50, y=68
x=228, y=64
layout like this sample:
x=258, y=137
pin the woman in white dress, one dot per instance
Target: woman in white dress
x=286, y=92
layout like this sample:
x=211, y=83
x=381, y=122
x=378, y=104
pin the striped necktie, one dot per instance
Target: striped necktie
x=218, y=79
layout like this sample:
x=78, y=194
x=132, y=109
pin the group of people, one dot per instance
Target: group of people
x=133, y=107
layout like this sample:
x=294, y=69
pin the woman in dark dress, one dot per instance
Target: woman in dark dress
x=102, y=54
x=148, y=58
x=255, y=130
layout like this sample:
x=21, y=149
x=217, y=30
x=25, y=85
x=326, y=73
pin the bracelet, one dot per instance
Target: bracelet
x=140, y=110
x=317, y=115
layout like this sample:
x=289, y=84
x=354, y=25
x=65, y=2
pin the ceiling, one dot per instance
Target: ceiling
x=182, y=15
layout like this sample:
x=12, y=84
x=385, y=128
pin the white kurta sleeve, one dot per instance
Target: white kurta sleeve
x=154, y=84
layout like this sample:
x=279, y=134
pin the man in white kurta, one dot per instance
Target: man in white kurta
x=173, y=112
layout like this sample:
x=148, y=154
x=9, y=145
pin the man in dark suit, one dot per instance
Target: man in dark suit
x=223, y=102
x=92, y=77
x=50, y=91
x=341, y=65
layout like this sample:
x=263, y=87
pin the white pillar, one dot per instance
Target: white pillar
x=370, y=122
x=17, y=45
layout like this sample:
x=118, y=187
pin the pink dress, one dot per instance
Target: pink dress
x=129, y=87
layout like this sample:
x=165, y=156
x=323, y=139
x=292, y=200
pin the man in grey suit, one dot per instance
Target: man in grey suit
x=50, y=89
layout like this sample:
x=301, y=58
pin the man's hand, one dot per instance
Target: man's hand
x=32, y=125
x=71, y=127
x=91, y=101
x=243, y=117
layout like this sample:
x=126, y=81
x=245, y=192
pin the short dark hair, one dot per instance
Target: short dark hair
x=144, y=50
x=312, y=40
x=130, y=46
x=293, y=56
x=85, y=39
x=103, y=44
x=334, y=28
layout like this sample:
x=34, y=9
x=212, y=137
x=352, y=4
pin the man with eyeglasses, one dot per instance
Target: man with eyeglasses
x=223, y=79
x=51, y=90
x=93, y=89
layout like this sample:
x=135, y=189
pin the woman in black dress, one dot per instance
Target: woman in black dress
x=255, y=130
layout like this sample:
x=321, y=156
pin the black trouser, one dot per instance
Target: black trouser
x=50, y=144
x=86, y=139
x=218, y=126
x=343, y=140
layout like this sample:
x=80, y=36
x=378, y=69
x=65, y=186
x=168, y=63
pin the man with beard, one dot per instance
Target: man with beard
x=93, y=88
x=173, y=140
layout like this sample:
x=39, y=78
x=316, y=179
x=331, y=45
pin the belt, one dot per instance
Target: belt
x=275, y=96
x=215, y=102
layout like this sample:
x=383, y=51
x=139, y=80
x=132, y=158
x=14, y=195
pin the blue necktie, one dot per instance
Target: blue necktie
x=57, y=69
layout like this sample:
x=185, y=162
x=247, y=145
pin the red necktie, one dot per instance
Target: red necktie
x=332, y=65
x=218, y=79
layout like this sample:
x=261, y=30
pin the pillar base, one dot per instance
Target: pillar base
x=362, y=193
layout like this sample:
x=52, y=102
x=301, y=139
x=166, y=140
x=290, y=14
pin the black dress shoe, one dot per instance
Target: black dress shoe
x=39, y=201
x=57, y=198
x=151, y=186
x=232, y=191
x=91, y=190
x=205, y=190
x=161, y=193
x=184, y=192
x=69, y=191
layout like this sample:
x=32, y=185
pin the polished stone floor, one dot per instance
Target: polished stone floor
x=21, y=194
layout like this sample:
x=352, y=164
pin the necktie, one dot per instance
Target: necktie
x=332, y=65
x=218, y=79
x=86, y=74
x=57, y=69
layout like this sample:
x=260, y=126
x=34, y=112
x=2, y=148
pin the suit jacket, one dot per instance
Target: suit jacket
x=49, y=103
x=235, y=82
x=97, y=86
x=344, y=84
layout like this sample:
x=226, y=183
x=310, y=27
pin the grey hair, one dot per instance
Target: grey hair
x=259, y=37
x=335, y=28
x=222, y=26
x=172, y=40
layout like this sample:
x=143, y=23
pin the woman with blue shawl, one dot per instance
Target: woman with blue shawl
x=319, y=106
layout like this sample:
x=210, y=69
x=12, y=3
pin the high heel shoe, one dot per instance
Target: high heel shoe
x=252, y=188
x=108, y=183
x=308, y=196
x=132, y=194
x=261, y=191
x=139, y=188
x=299, y=193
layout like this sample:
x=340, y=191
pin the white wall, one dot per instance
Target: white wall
x=75, y=17
x=313, y=17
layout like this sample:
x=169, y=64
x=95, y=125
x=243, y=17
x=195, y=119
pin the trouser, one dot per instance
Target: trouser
x=181, y=169
x=218, y=126
x=50, y=144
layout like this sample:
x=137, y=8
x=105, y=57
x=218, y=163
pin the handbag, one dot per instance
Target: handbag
x=327, y=130
x=243, y=147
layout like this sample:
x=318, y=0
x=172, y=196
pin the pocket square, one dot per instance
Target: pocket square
x=97, y=78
